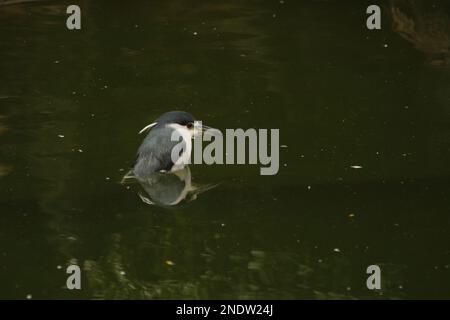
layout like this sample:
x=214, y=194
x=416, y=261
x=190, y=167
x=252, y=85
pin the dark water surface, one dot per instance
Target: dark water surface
x=72, y=102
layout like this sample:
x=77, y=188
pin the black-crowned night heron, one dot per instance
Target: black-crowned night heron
x=155, y=152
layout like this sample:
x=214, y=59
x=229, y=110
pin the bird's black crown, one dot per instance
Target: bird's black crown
x=180, y=117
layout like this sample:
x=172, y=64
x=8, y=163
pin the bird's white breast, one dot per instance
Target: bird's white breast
x=185, y=157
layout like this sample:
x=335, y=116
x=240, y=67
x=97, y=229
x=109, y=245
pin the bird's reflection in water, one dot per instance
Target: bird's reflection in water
x=166, y=189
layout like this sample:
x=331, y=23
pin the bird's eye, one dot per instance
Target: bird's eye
x=189, y=125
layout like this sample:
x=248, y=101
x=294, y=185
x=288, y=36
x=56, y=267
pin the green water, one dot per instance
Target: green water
x=72, y=102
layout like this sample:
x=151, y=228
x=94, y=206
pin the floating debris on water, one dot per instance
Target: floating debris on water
x=356, y=167
x=337, y=250
x=406, y=154
x=170, y=263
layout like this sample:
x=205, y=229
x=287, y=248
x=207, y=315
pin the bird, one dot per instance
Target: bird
x=155, y=152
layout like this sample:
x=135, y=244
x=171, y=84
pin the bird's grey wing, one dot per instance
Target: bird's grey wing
x=155, y=152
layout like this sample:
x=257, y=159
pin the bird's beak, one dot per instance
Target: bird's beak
x=210, y=131
x=205, y=130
